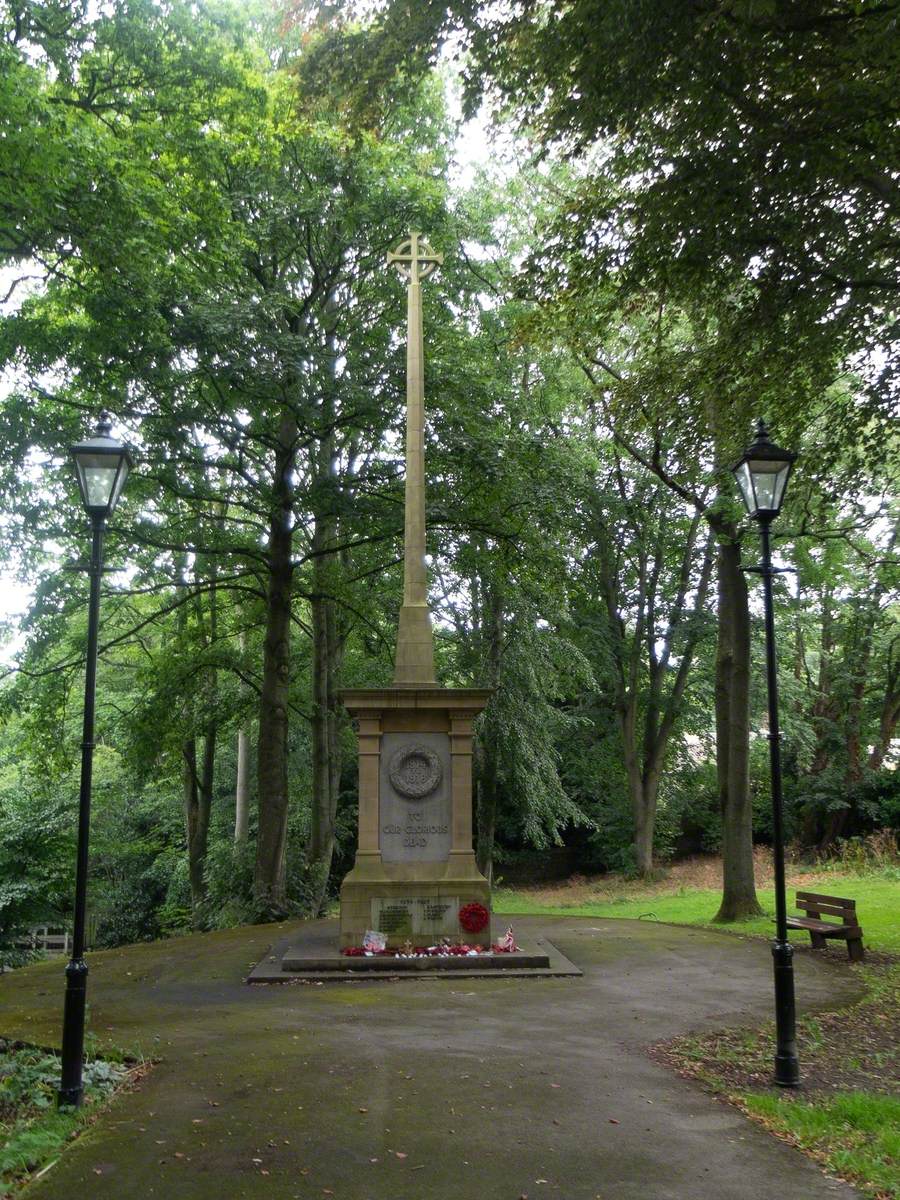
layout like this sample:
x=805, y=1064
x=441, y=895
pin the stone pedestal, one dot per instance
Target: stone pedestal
x=415, y=863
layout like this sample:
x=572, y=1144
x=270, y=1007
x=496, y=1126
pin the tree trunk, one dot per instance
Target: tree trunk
x=326, y=761
x=822, y=714
x=197, y=807
x=733, y=737
x=491, y=630
x=327, y=643
x=272, y=746
x=643, y=805
x=198, y=786
x=887, y=725
x=242, y=787
x=859, y=657
x=889, y=716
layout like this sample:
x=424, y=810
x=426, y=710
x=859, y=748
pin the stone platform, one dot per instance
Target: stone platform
x=313, y=954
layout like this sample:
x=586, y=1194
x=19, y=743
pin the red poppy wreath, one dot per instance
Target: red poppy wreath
x=473, y=917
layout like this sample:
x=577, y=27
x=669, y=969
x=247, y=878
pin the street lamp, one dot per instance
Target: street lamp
x=762, y=474
x=102, y=465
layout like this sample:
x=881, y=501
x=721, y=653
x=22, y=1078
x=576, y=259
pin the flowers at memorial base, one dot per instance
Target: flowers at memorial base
x=443, y=950
x=474, y=917
x=506, y=944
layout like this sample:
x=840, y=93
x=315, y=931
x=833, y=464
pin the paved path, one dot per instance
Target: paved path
x=486, y=1089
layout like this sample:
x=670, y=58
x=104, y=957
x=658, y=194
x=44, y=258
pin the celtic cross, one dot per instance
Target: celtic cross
x=414, y=259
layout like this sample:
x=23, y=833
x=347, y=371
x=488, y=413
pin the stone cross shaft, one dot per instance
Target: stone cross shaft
x=414, y=664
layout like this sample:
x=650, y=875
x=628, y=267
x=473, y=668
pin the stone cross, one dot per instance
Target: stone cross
x=414, y=259
x=414, y=664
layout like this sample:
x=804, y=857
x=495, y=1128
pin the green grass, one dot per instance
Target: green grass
x=854, y=1134
x=877, y=903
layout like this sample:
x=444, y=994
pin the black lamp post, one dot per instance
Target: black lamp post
x=102, y=465
x=762, y=474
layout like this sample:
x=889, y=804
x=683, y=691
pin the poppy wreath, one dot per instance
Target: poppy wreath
x=473, y=917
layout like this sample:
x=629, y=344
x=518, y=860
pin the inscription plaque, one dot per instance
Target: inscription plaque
x=414, y=798
x=421, y=919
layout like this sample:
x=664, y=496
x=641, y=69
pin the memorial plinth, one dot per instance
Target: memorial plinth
x=415, y=866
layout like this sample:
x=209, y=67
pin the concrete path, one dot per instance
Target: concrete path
x=488, y=1089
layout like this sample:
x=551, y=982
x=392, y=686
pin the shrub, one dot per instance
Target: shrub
x=36, y=868
x=878, y=851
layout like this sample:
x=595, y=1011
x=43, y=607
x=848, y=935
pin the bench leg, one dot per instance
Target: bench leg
x=818, y=942
x=855, y=949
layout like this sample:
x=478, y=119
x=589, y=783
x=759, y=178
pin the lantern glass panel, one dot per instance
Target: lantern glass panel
x=101, y=479
x=120, y=482
x=769, y=479
x=745, y=483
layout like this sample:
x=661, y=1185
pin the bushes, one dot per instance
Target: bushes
x=229, y=883
x=36, y=869
x=830, y=808
x=31, y=1130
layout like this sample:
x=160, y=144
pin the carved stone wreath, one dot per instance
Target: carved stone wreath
x=415, y=771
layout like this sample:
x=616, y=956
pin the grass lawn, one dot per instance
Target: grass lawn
x=854, y=1134
x=847, y=1114
x=877, y=903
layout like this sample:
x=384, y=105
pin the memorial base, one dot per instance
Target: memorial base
x=309, y=953
x=415, y=867
x=408, y=905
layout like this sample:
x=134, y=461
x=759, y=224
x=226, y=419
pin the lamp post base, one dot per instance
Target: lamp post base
x=71, y=1088
x=787, y=1064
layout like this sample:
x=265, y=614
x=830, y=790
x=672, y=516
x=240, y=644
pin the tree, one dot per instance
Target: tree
x=650, y=569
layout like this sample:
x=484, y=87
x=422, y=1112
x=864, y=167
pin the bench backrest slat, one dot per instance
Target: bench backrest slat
x=812, y=907
x=831, y=906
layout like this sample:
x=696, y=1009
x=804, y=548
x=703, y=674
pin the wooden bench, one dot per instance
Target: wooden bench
x=815, y=907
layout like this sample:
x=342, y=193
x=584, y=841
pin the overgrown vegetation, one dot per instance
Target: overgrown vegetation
x=32, y=1130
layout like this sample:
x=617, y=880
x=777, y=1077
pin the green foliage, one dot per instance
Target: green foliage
x=31, y=1128
x=525, y=724
x=691, y=801
x=229, y=882
x=870, y=803
x=36, y=865
x=207, y=202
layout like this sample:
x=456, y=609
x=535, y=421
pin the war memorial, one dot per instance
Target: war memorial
x=414, y=899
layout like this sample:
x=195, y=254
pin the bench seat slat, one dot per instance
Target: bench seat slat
x=826, y=928
x=845, y=926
